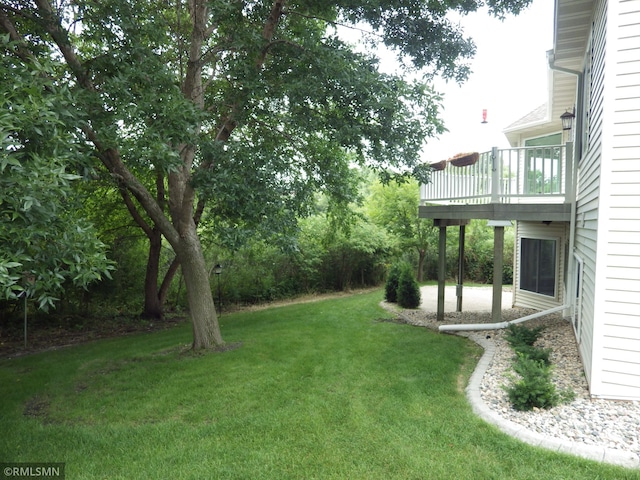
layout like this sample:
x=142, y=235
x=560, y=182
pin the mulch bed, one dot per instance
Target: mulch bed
x=54, y=332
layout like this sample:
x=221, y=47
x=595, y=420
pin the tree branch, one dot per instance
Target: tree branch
x=160, y=191
x=133, y=211
x=166, y=281
x=229, y=123
x=334, y=23
x=54, y=28
x=21, y=48
x=199, y=210
x=269, y=29
x=266, y=49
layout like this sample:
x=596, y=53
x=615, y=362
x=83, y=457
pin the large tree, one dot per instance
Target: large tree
x=250, y=106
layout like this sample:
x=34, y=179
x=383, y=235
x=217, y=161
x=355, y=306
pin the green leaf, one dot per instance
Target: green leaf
x=11, y=264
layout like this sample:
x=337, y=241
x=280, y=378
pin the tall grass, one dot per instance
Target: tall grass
x=324, y=390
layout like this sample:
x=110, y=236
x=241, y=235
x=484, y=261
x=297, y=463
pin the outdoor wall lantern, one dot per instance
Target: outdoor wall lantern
x=567, y=120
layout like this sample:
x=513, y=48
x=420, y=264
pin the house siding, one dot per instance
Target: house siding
x=608, y=212
x=585, y=247
x=554, y=231
x=617, y=304
x=588, y=201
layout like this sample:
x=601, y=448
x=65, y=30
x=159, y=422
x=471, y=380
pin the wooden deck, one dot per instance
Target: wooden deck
x=531, y=183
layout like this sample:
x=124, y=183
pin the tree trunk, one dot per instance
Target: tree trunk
x=166, y=281
x=206, y=330
x=155, y=297
x=153, y=307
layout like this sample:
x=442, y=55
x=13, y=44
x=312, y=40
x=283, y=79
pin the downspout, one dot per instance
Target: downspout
x=576, y=151
x=551, y=58
x=572, y=224
x=497, y=326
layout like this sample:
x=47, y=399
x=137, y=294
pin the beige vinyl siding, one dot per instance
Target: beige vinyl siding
x=619, y=309
x=554, y=231
x=588, y=201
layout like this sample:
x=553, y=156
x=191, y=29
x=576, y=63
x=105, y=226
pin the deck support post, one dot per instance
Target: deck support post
x=498, y=256
x=442, y=265
x=460, y=269
x=442, y=224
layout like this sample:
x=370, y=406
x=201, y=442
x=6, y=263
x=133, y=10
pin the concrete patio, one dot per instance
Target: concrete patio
x=474, y=299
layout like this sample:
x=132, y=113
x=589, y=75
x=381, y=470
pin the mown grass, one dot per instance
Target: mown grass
x=322, y=390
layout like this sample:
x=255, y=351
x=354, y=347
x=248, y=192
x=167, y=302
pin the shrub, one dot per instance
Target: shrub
x=391, y=286
x=537, y=354
x=534, y=389
x=408, y=292
x=518, y=335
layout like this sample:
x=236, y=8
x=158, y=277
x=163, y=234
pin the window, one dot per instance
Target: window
x=543, y=165
x=538, y=258
x=553, y=139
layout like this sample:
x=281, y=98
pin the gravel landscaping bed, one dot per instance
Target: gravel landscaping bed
x=606, y=423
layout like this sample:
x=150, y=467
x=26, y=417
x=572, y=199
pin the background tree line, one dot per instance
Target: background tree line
x=321, y=256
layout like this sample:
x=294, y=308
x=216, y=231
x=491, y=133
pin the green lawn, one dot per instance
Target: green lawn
x=320, y=390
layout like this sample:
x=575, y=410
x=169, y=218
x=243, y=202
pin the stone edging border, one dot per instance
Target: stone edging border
x=590, y=452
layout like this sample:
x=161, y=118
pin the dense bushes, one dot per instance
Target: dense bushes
x=479, y=253
x=319, y=258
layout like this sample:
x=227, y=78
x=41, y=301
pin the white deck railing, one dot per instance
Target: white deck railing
x=514, y=175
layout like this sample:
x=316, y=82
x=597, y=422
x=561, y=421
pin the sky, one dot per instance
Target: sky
x=509, y=79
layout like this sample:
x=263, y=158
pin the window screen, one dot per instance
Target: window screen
x=538, y=266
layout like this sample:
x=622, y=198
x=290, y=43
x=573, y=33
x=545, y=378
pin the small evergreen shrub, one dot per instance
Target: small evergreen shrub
x=534, y=388
x=537, y=354
x=391, y=286
x=408, y=292
x=567, y=395
x=519, y=335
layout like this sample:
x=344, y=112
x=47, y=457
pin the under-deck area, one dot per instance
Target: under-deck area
x=533, y=184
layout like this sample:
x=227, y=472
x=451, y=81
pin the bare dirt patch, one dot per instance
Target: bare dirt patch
x=37, y=407
x=54, y=332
